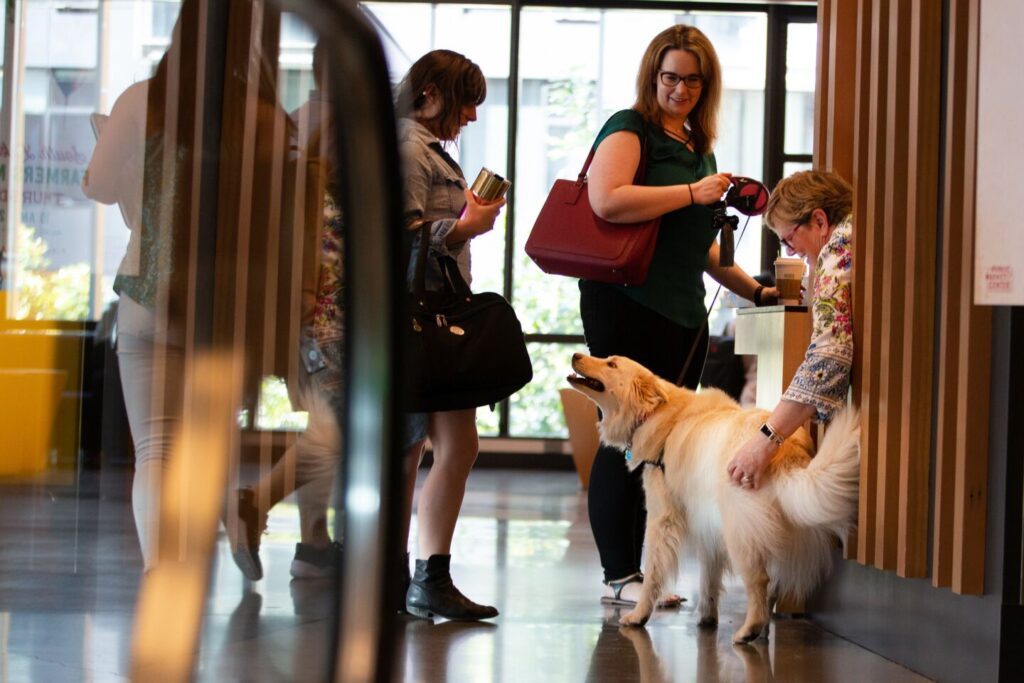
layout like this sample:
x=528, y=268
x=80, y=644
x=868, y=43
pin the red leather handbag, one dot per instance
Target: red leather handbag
x=569, y=239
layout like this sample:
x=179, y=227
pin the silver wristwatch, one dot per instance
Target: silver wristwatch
x=772, y=435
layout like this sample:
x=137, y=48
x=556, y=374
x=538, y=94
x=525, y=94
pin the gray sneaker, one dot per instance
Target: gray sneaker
x=311, y=562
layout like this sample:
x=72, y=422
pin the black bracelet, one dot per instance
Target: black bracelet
x=757, y=295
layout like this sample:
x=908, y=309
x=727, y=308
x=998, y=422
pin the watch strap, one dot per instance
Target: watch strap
x=772, y=435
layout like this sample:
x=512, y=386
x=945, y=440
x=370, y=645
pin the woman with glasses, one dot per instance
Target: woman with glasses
x=661, y=323
x=811, y=212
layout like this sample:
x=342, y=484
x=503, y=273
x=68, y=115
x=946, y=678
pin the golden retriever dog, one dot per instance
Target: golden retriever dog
x=778, y=538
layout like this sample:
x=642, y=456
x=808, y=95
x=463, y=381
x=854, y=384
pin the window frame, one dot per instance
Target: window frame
x=779, y=14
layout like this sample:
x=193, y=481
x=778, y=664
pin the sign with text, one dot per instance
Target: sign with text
x=999, y=237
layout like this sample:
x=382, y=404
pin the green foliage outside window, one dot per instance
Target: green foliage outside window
x=45, y=294
x=274, y=411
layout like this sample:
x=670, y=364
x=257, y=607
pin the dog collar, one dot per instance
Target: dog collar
x=658, y=462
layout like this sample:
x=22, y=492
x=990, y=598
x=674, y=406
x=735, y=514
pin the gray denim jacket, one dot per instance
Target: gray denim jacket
x=433, y=191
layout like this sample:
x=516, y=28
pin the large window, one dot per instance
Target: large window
x=65, y=248
x=801, y=41
x=563, y=93
x=585, y=71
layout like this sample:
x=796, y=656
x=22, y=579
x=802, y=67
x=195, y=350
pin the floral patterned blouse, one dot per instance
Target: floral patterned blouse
x=823, y=379
x=328, y=318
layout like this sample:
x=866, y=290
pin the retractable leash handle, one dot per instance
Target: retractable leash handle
x=747, y=196
x=750, y=198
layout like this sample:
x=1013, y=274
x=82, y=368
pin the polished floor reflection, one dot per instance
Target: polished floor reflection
x=69, y=571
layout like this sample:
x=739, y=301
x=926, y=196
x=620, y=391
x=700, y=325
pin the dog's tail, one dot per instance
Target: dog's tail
x=824, y=494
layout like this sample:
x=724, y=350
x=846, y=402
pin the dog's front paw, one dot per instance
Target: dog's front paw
x=635, y=618
x=708, y=613
x=750, y=632
x=708, y=621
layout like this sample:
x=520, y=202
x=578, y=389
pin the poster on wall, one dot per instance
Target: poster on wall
x=999, y=234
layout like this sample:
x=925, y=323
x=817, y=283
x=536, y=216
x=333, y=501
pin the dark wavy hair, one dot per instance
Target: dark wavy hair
x=458, y=82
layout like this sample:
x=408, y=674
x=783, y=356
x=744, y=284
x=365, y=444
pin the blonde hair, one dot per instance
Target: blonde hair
x=703, y=119
x=797, y=196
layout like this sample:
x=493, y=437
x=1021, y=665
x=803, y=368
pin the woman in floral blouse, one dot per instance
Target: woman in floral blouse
x=811, y=212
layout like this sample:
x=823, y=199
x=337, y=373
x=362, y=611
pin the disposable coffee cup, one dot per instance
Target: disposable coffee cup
x=789, y=274
x=489, y=186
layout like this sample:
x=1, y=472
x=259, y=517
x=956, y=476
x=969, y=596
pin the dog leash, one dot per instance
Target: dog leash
x=707, y=315
x=659, y=462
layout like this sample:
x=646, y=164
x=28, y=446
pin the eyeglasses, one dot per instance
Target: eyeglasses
x=671, y=79
x=786, y=240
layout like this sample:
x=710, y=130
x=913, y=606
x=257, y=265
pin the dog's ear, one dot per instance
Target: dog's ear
x=647, y=395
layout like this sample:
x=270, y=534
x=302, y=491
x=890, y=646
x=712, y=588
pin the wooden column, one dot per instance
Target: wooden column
x=967, y=373
x=880, y=63
x=918, y=275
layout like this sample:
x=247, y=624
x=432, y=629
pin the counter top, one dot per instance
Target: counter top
x=772, y=309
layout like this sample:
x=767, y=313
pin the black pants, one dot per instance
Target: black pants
x=615, y=325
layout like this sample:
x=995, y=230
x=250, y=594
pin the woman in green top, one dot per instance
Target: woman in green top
x=679, y=88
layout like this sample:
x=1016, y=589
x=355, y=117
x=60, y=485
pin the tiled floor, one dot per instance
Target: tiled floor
x=69, y=575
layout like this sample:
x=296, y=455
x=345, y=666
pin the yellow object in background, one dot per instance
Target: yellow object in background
x=29, y=400
x=40, y=393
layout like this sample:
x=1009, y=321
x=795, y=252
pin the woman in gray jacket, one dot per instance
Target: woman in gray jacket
x=437, y=98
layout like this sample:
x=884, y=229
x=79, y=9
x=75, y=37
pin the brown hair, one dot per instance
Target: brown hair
x=458, y=82
x=703, y=118
x=797, y=196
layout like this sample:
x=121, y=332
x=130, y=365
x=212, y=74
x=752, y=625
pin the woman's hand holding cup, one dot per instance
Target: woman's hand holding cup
x=477, y=218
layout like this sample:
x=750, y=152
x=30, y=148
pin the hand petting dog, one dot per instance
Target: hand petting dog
x=748, y=465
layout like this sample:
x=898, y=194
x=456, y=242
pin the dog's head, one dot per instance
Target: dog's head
x=625, y=391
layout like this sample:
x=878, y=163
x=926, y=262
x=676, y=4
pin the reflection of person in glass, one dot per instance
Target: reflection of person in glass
x=142, y=161
x=438, y=97
x=661, y=322
x=314, y=457
x=811, y=212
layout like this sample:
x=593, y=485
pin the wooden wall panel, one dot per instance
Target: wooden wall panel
x=893, y=51
x=893, y=257
x=919, y=277
x=870, y=233
x=975, y=332
x=837, y=56
x=859, y=172
x=954, y=190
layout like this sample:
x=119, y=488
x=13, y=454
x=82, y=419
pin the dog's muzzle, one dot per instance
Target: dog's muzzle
x=589, y=382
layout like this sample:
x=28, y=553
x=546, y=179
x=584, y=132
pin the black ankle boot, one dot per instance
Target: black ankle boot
x=432, y=593
x=404, y=579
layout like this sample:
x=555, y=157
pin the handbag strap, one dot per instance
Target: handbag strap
x=419, y=277
x=450, y=268
x=454, y=283
x=641, y=168
x=453, y=280
x=446, y=158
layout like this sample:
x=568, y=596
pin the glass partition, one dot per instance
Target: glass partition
x=170, y=234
